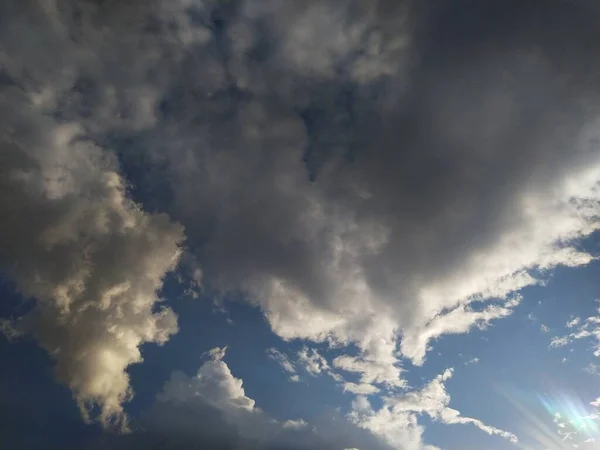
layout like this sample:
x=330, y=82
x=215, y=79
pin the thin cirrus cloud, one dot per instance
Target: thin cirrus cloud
x=373, y=174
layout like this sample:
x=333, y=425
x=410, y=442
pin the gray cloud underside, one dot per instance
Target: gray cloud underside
x=211, y=410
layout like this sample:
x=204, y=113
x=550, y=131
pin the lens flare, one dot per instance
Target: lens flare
x=558, y=421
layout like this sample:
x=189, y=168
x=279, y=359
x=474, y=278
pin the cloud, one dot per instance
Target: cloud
x=314, y=363
x=214, y=387
x=360, y=389
x=284, y=362
x=211, y=410
x=92, y=258
x=8, y=330
x=371, y=371
x=426, y=196
x=368, y=173
x=589, y=328
x=569, y=421
x=592, y=369
x=397, y=420
x=459, y=320
x=472, y=361
x=295, y=424
x=578, y=432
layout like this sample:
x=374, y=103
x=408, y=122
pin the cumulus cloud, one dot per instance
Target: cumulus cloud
x=375, y=173
x=361, y=389
x=92, y=259
x=211, y=410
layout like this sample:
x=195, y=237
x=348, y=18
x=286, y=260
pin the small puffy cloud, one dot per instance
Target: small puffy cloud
x=559, y=341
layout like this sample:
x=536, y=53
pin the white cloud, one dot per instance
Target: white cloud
x=360, y=389
x=212, y=408
x=371, y=371
x=459, y=320
x=593, y=369
x=213, y=384
x=91, y=257
x=282, y=359
x=589, y=328
x=397, y=419
x=315, y=364
x=559, y=341
x=295, y=424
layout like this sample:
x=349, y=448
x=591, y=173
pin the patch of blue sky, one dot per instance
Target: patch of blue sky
x=517, y=374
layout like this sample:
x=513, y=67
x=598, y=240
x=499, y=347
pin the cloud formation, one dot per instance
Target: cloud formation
x=396, y=421
x=586, y=329
x=211, y=410
x=369, y=173
x=91, y=258
x=386, y=206
x=284, y=362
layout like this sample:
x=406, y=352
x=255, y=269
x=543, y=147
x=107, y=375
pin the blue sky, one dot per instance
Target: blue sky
x=274, y=225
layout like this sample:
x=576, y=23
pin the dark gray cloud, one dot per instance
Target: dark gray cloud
x=292, y=165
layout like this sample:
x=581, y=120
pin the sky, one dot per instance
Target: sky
x=285, y=225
